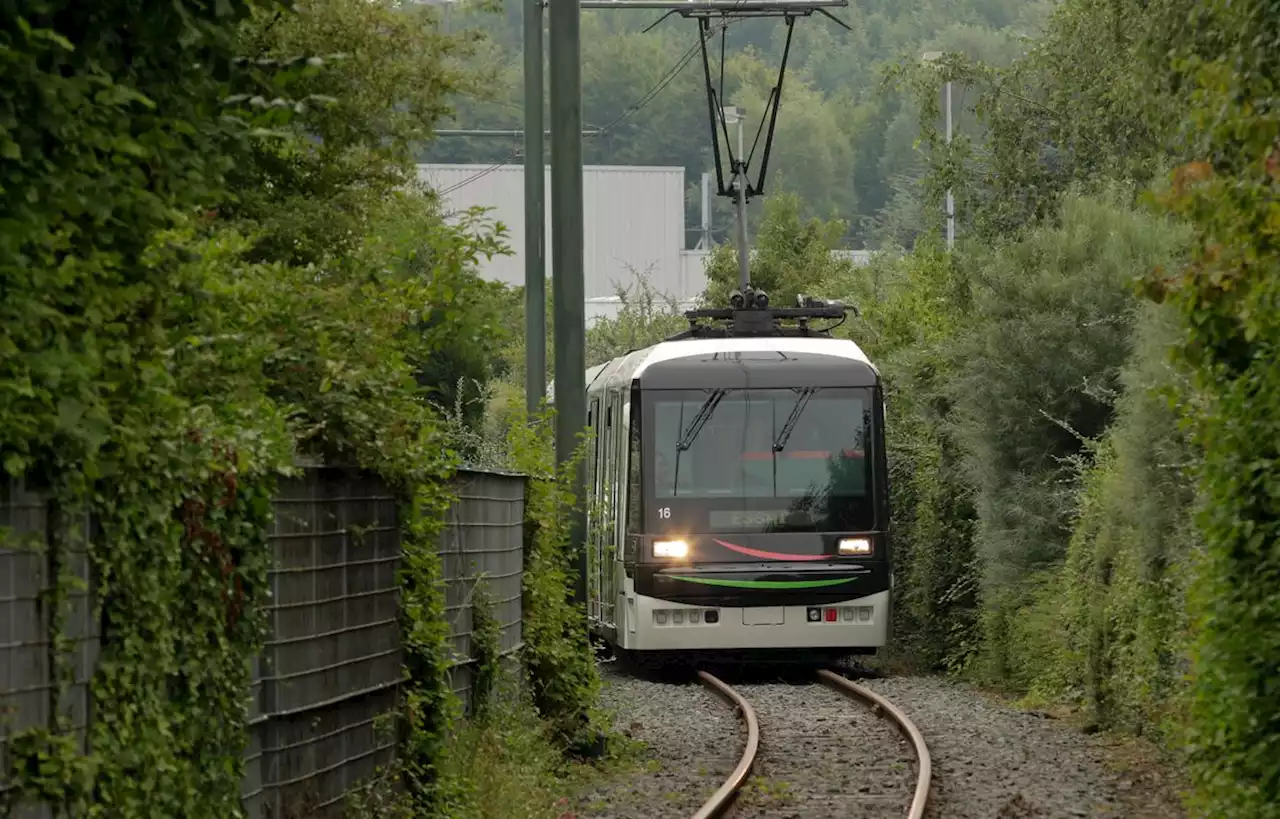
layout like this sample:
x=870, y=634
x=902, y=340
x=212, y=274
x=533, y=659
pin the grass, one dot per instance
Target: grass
x=504, y=766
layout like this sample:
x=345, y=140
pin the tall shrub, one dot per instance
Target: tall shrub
x=1038, y=369
x=1226, y=62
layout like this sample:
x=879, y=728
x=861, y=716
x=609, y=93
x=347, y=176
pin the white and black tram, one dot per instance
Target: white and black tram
x=739, y=494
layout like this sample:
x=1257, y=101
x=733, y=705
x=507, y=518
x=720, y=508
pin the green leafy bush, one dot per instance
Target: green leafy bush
x=103, y=153
x=790, y=254
x=1121, y=631
x=646, y=317
x=1225, y=65
x=558, y=658
x=913, y=311
x=161, y=368
x=1037, y=372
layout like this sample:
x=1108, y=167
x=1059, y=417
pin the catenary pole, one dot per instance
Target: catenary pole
x=535, y=221
x=568, y=287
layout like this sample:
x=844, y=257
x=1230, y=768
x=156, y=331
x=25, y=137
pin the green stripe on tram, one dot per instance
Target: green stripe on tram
x=764, y=584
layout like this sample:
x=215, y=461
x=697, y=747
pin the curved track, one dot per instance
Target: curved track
x=723, y=797
x=725, y=794
x=884, y=708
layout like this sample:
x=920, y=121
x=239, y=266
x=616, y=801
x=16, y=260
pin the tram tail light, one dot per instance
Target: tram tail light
x=670, y=548
x=859, y=546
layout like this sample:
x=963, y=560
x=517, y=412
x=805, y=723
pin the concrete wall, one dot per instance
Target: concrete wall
x=633, y=220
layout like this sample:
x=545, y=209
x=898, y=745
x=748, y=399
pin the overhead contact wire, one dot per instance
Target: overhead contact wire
x=648, y=97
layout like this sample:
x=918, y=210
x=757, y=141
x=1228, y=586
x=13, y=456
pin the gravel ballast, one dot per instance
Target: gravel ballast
x=824, y=755
x=694, y=740
x=992, y=760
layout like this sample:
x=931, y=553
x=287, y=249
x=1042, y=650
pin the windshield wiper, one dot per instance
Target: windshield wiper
x=805, y=394
x=699, y=420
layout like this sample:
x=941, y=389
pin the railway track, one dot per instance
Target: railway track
x=729, y=790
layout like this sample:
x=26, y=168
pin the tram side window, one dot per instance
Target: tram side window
x=593, y=464
x=617, y=480
x=634, y=486
x=608, y=457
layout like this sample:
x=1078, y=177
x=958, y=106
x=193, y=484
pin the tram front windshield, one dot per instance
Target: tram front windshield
x=771, y=460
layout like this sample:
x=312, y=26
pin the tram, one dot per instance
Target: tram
x=739, y=491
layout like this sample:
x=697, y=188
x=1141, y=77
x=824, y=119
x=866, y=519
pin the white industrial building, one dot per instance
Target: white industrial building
x=634, y=222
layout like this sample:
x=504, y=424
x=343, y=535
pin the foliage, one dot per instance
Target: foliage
x=840, y=143
x=645, y=317
x=915, y=307
x=790, y=254
x=339, y=188
x=558, y=658
x=100, y=153
x=461, y=334
x=509, y=761
x=503, y=761
x=313, y=194
x=100, y=404
x=1072, y=112
x=1037, y=372
x=1225, y=64
x=1121, y=630
x=486, y=641
x=169, y=350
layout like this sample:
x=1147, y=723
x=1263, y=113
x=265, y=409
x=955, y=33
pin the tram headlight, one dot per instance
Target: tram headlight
x=857, y=546
x=670, y=548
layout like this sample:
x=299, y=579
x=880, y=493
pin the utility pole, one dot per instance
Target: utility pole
x=535, y=220
x=931, y=57
x=569, y=289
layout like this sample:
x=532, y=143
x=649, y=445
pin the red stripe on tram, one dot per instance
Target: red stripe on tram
x=763, y=555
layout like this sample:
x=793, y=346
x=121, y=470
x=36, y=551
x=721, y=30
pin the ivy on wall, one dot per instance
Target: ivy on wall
x=158, y=374
x=558, y=659
x=102, y=153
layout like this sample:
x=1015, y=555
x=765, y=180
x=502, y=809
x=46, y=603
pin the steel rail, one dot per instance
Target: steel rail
x=723, y=797
x=903, y=724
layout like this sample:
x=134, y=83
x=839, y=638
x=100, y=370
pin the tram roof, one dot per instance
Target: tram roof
x=633, y=364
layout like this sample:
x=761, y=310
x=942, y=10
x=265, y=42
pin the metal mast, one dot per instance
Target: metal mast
x=567, y=281
x=535, y=270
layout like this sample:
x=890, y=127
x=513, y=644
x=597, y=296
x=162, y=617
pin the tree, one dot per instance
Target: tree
x=646, y=317
x=311, y=195
x=791, y=256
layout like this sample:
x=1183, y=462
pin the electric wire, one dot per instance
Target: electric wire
x=649, y=96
